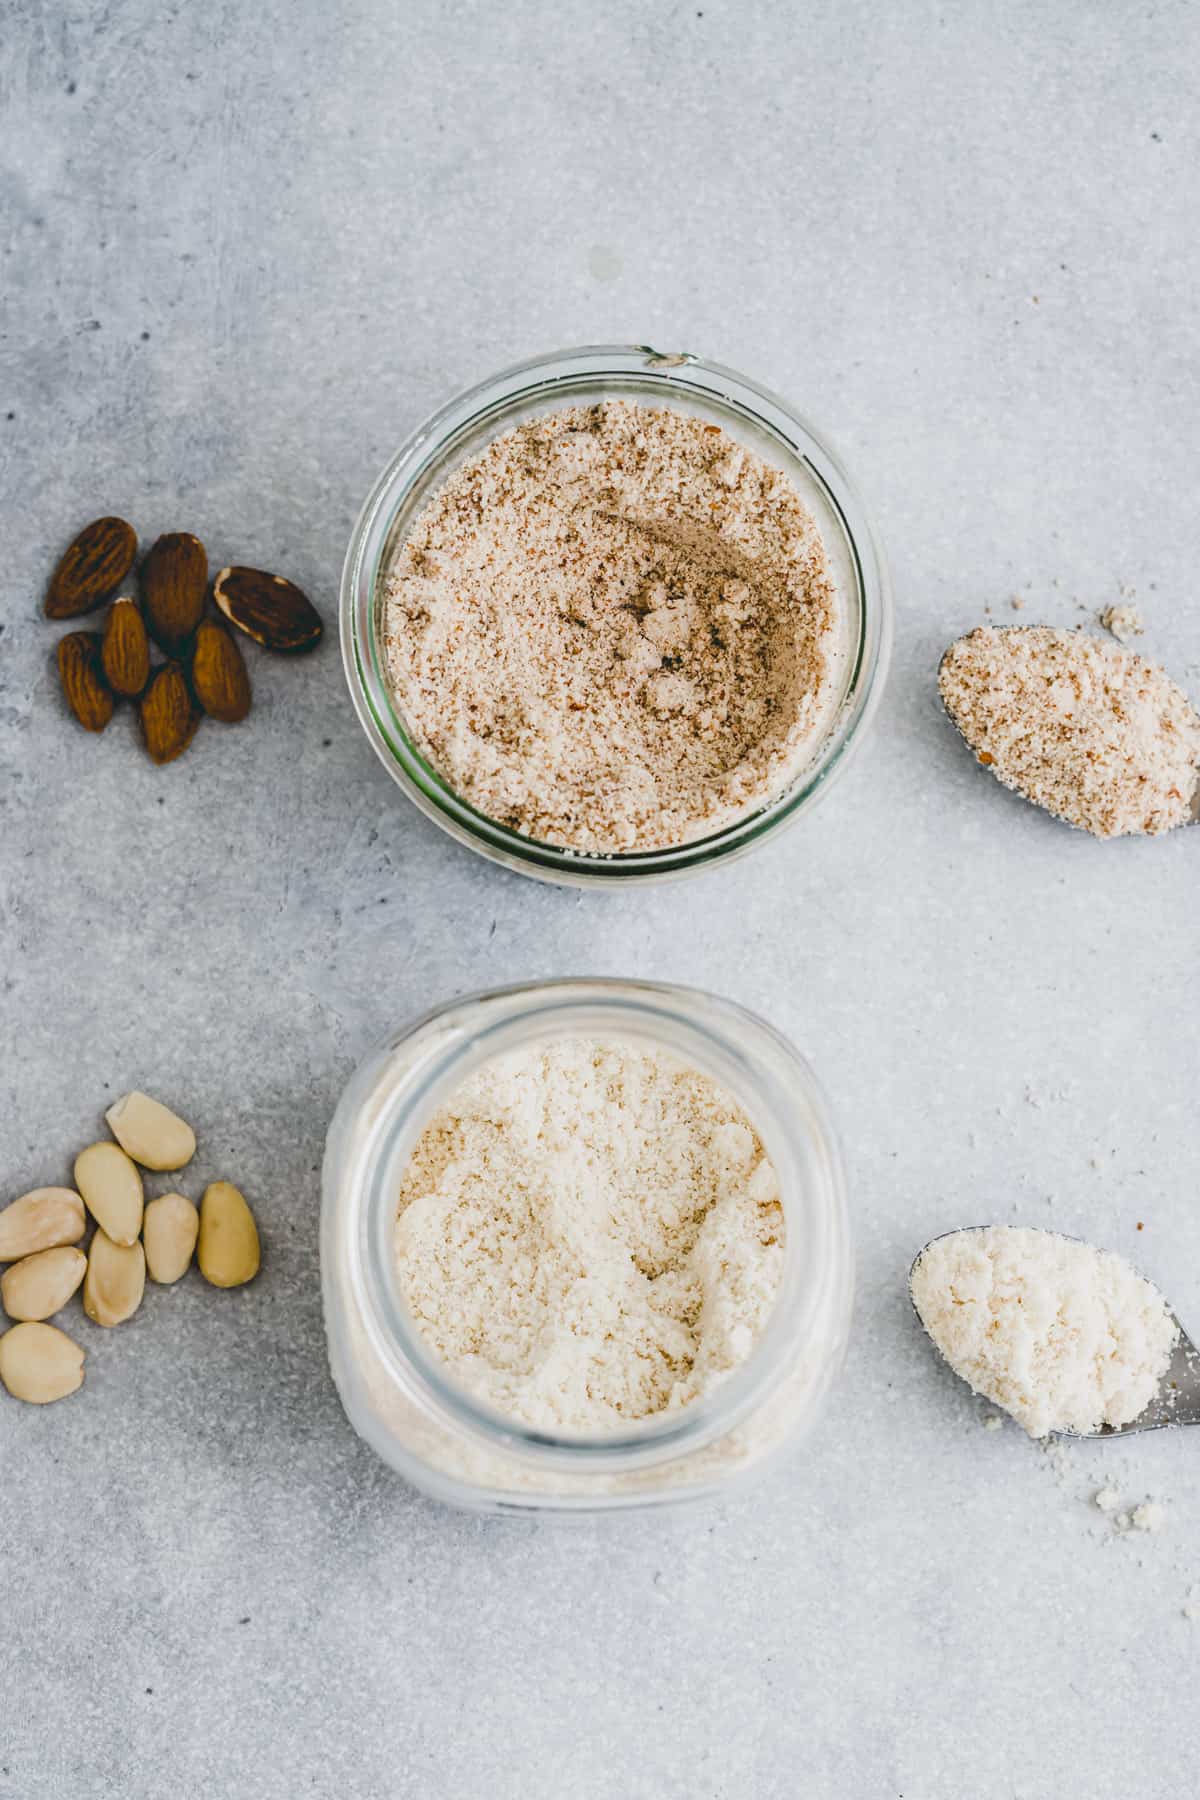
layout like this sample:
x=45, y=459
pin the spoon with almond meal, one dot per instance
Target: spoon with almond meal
x=1097, y=735
x=1066, y=1338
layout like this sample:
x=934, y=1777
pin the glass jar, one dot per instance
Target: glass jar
x=581, y=378
x=401, y=1398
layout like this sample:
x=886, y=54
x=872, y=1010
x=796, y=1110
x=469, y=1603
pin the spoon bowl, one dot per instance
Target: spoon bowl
x=1177, y=1400
x=1192, y=816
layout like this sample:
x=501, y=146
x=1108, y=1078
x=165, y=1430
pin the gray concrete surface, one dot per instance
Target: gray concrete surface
x=246, y=249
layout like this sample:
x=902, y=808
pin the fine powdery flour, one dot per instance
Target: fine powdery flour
x=1061, y=1335
x=589, y=1233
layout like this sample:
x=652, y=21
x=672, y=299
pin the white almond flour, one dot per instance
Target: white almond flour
x=1097, y=735
x=614, y=629
x=589, y=1234
x=1062, y=1336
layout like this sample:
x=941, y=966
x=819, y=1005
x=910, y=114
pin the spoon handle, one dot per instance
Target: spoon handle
x=1177, y=1401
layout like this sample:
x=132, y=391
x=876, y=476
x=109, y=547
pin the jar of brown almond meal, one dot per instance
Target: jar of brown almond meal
x=614, y=615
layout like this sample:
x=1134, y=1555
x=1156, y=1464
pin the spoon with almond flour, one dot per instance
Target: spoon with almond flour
x=1095, y=734
x=1067, y=1338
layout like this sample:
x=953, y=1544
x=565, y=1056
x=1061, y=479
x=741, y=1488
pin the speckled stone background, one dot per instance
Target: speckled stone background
x=246, y=249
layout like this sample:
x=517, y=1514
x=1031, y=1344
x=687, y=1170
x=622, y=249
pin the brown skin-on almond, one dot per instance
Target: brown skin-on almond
x=274, y=612
x=125, y=653
x=174, y=582
x=219, y=679
x=168, y=714
x=95, y=565
x=82, y=675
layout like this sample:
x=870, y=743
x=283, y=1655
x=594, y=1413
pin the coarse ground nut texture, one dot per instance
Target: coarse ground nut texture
x=1061, y=1335
x=589, y=1234
x=613, y=629
x=1097, y=735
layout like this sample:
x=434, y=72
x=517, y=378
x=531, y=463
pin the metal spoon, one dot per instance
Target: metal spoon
x=1193, y=817
x=1177, y=1401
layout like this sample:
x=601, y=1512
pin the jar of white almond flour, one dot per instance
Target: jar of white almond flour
x=697, y=741
x=409, y=1404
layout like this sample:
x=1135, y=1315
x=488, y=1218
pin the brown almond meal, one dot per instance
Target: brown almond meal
x=613, y=629
x=1097, y=735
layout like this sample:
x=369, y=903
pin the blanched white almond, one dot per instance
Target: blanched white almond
x=115, y=1280
x=39, y=1220
x=43, y=1283
x=40, y=1363
x=229, y=1253
x=150, y=1132
x=112, y=1188
x=169, y=1232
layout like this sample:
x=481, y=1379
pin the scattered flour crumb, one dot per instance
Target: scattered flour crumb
x=1124, y=622
x=1148, y=1515
x=1191, y=1606
x=1039, y=1097
x=1059, y=1460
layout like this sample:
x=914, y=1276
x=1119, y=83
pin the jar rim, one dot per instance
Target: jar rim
x=557, y=377
x=760, y=1067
